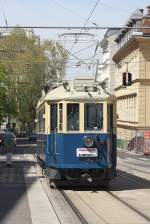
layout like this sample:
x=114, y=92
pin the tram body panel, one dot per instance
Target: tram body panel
x=41, y=146
x=64, y=153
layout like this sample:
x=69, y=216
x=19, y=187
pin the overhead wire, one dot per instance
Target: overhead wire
x=94, y=55
x=90, y=15
x=113, y=7
x=78, y=27
x=91, y=58
x=83, y=49
x=4, y=14
x=73, y=12
x=86, y=22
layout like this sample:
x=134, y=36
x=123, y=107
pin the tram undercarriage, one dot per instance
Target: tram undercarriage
x=79, y=177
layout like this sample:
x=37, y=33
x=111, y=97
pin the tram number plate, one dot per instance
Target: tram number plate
x=86, y=152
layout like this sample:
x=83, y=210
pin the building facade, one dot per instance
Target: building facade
x=133, y=102
x=107, y=67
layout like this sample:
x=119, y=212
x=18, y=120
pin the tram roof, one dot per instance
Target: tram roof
x=60, y=93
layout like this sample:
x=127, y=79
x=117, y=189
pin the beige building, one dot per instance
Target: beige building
x=133, y=102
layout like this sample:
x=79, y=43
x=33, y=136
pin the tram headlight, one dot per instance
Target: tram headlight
x=88, y=142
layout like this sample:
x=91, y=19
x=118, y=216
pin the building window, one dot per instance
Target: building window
x=72, y=116
x=126, y=108
x=93, y=116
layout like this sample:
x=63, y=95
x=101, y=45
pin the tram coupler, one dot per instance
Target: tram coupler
x=87, y=177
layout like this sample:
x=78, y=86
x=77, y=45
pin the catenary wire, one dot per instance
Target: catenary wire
x=113, y=7
x=86, y=22
x=86, y=28
x=83, y=49
x=4, y=13
x=72, y=12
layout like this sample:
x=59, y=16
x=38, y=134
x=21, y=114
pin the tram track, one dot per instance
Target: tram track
x=75, y=197
x=77, y=212
x=130, y=179
x=115, y=197
x=129, y=206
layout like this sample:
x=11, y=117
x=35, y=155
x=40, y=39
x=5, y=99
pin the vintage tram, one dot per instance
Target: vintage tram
x=76, y=133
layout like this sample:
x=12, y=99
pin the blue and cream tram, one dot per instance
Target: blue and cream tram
x=76, y=129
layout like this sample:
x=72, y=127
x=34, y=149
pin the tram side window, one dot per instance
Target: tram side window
x=41, y=120
x=60, y=116
x=73, y=116
x=93, y=116
x=53, y=117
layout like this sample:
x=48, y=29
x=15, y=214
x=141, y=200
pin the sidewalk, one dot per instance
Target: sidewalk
x=22, y=197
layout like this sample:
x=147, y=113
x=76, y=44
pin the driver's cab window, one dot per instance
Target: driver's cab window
x=93, y=116
x=72, y=116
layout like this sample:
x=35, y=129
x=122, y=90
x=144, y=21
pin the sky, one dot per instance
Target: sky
x=69, y=13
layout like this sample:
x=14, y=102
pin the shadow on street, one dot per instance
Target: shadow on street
x=13, y=190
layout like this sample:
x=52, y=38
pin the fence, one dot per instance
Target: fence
x=138, y=141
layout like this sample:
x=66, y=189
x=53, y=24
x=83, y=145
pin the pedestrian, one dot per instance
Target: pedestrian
x=8, y=144
x=1, y=140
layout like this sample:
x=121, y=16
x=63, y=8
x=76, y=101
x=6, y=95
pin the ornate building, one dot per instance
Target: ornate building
x=133, y=102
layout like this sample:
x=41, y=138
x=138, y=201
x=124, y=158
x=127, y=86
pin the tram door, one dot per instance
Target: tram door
x=53, y=131
x=110, y=130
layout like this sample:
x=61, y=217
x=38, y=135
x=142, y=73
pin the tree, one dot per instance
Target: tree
x=2, y=95
x=29, y=65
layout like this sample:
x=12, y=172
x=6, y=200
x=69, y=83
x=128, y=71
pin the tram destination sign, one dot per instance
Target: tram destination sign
x=86, y=152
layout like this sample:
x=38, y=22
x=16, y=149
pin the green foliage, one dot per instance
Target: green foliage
x=3, y=94
x=27, y=65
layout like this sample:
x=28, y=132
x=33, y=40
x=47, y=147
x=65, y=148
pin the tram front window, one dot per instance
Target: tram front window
x=93, y=116
x=73, y=117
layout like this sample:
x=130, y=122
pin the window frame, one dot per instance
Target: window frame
x=81, y=117
x=66, y=114
x=40, y=126
x=60, y=117
x=103, y=122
